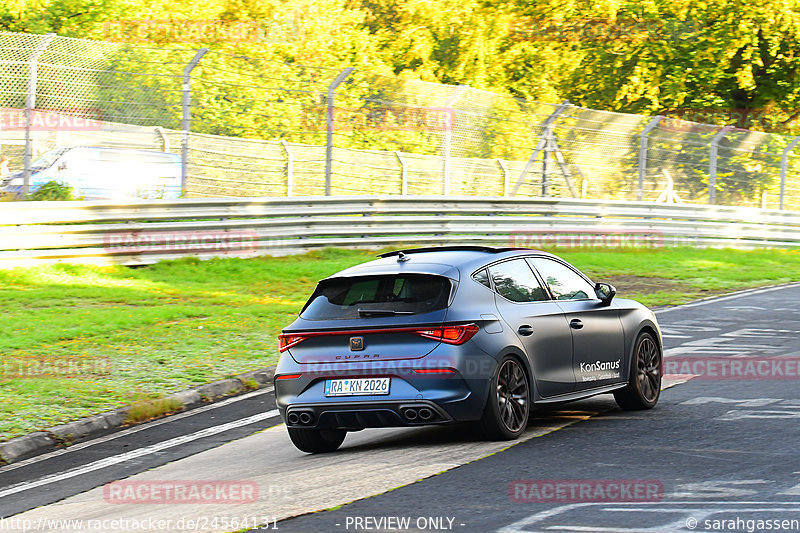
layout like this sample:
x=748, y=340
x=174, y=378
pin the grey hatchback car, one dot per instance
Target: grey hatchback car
x=459, y=334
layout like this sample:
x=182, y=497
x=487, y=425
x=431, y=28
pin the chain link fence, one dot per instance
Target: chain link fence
x=246, y=126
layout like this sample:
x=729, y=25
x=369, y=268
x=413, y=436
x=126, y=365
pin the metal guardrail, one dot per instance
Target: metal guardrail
x=145, y=232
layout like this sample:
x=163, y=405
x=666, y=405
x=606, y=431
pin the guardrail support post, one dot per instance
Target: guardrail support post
x=289, y=169
x=186, y=115
x=403, y=173
x=448, y=135
x=329, y=126
x=785, y=166
x=30, y=104
x=712, y=163
x=544, y=140
x=504, y=170
x=164, y=140
x=643, y=154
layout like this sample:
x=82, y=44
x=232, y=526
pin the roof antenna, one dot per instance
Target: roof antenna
x=402, y=258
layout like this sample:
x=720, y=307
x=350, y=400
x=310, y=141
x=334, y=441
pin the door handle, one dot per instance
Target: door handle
x=525, y=330
x=575, y=324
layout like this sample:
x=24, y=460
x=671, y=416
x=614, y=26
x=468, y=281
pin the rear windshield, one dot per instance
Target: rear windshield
x=371, y=296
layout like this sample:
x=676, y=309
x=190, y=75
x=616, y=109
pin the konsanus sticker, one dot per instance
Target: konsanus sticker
x=599, y=370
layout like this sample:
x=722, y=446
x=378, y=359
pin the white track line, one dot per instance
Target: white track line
x=135, y=429
x=133, y=454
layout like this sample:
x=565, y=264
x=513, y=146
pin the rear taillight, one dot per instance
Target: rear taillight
x=449, y=334
x=286, y=341
x=434, y=371
x=288, y=376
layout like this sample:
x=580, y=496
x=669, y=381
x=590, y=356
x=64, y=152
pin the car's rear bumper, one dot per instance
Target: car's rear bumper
x=434, y=398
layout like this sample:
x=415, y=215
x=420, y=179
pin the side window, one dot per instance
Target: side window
x=515, y=281
x=564, y=283
x=482, y=277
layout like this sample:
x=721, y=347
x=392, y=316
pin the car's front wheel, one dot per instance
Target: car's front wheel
x=508, y=406
x=316, y=440
x=644, y=384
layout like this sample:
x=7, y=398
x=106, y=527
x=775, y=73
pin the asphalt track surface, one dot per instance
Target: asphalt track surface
x=721, y=454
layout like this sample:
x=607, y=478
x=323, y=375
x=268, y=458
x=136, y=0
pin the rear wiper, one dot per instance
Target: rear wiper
x=382, y=312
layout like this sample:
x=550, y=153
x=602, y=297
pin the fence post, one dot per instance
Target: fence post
x=289, y=169
x=544, y=140
x=785, y=166
x=403, y=173
x=30, y=104
x=329, y=127
x=504, y=170
x=448, y=135
x=643, y=154
x=712, y=163
x=186, y=115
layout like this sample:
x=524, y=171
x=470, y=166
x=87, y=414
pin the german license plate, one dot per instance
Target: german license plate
x=357, y=387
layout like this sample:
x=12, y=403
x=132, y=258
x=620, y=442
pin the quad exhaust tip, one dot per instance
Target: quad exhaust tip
x=411, y=414
x=418, y=414
x=303, y=418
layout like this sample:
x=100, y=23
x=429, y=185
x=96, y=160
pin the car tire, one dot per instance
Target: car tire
x=507, y=409
x=316, y=440
x=644, y=382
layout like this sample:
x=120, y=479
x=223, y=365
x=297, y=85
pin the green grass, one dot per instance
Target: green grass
x=143, y=333
x=146, y=409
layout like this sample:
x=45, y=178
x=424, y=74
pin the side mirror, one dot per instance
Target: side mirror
x=606, y=292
